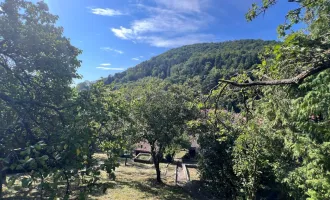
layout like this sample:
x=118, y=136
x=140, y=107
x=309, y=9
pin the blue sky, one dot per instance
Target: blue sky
x=117, y=34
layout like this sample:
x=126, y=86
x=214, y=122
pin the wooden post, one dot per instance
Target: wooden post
x=176, y=173
x=186, y=172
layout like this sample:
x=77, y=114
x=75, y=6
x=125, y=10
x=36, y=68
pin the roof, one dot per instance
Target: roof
x=145, y=146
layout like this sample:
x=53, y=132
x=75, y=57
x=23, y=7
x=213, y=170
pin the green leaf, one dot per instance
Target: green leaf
x=44, y=157
x=11, y=181
x=13, y=166
x=26, y=182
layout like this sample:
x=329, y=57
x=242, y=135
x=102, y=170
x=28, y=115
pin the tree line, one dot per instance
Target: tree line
x=205, y=63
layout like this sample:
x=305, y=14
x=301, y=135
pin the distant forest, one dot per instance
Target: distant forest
x=202, y=63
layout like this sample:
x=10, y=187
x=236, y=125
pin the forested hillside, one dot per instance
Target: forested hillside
x=207, y=62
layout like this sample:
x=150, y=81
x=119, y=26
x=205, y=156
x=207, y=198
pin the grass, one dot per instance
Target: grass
x=180, y=154
x=100, y=156
x=137, y=181
x=144, y=157
x=194, y=176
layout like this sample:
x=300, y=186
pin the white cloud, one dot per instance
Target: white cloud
x=105, y=64
x=123, y=33
x=136, y=59
x=111, y=68
x=178, y=41
x=172, y=22
x=111, y=49
x=182, y=5
x=167, y=23
x=105, y=11
x=161, y=23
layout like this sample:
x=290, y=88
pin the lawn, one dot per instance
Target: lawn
x=137, y=181
x=194, y=176
x=144, y=157
x=180, y=154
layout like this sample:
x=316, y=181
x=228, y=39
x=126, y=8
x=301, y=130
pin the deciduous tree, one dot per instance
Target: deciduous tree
x=160, y=111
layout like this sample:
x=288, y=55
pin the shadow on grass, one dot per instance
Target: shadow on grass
x=140, y=174
x=143, y=165
x=21, y=195
x=20, y=198
x=197, y=191
x=101, y=188
x=151, y=188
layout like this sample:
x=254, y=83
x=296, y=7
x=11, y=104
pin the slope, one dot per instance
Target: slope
x=203, y=63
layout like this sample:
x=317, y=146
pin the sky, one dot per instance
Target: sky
x=117, y=34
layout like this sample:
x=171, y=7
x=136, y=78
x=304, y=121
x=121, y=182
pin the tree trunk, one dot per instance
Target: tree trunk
x=159, y=180
x=2, y=180
x=67, y=191
x=156, y=161
x=0, y=184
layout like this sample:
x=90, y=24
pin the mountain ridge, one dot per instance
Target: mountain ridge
x=207, y=62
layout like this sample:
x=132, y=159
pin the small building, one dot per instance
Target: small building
x=144, y=147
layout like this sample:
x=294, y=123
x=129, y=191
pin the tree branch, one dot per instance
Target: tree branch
x=295, y=80
x=9, y=71
x=10, y=100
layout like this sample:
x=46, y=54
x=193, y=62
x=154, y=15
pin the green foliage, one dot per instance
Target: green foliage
x=215, y=163
x=300, y=116
x=47, y=128
x=280, y=147
x=206, y=63
x=160, y=111
x=314, y=13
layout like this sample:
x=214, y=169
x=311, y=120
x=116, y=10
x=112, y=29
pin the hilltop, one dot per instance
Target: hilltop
x=202, y=63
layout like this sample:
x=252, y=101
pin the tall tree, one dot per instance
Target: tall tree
x=161, y=112
x=37, y=65
x=290, y=119
x=46, y=127
x=215, y=161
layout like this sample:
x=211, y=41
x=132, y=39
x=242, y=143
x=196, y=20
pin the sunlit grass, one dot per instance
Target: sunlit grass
x=180, y=154
x=138, y=181
x=135, y=181
x=144, y=157
x=194, y=176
